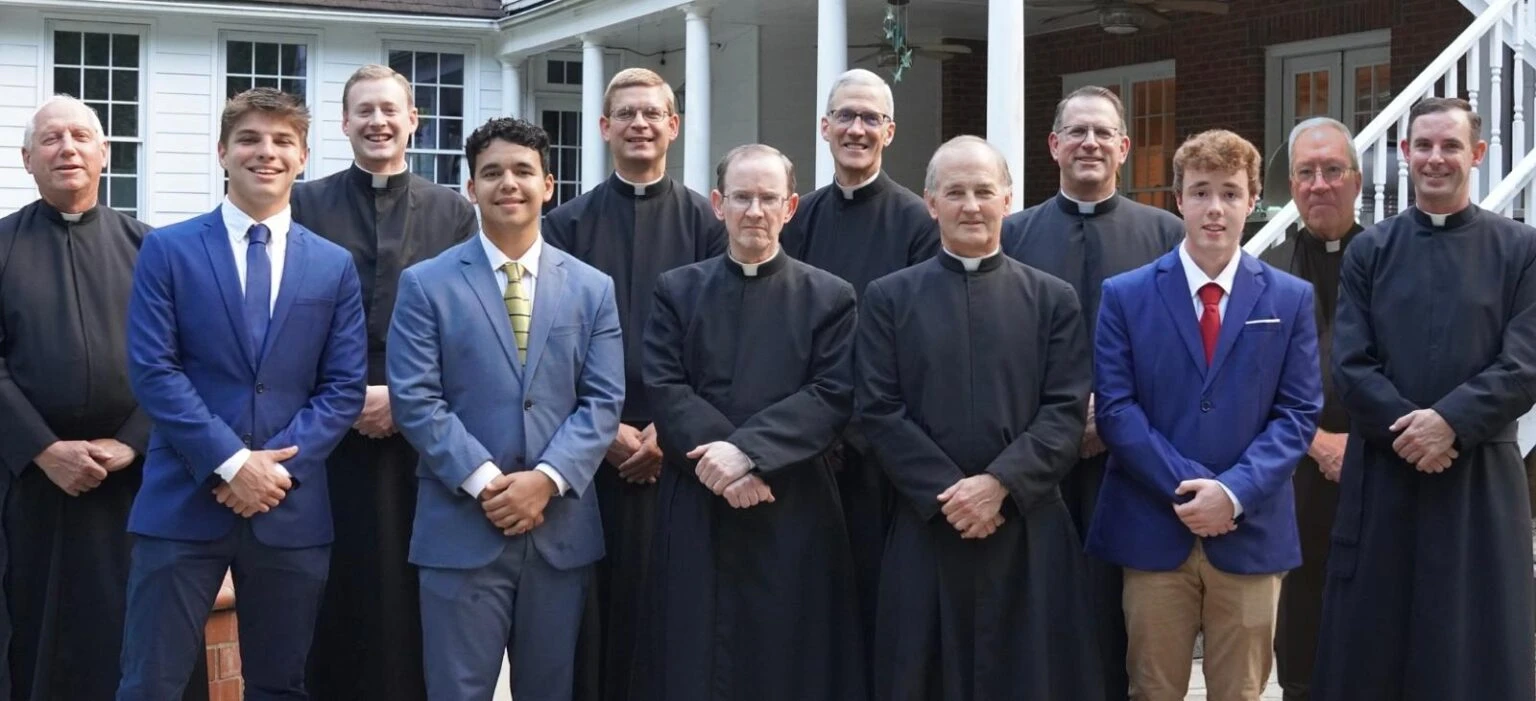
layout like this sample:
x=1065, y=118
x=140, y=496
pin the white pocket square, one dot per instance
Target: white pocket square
x=1251, y=322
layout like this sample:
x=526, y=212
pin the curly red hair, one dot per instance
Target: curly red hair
x=1218, y=150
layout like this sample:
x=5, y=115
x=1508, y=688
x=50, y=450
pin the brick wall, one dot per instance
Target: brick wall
x=1219, y=64
x=222, y=632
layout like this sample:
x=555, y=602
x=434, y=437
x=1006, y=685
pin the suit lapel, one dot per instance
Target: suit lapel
x=547, y=298
x=222, y=262
x=482, y=282
x=1174, y=290
x=295, y=264
x=1247, y=285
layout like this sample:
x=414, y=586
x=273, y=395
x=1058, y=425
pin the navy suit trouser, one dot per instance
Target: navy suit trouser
x=518, y=604
x=171, y=588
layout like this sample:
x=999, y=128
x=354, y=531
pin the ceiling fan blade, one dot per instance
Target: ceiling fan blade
x=866, y=57
x=1214, y=7
x=944, y=48
x=1149, y=18
x=1054, y=4
x=1063, y=19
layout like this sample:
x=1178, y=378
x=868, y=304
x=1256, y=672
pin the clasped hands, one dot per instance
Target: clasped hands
x=973, y=506
x=515, y=502
x=1425, y=440
x=261, y=483
x=78, y=467
x=636, y=454
x=1210, y=513
x=727, y=472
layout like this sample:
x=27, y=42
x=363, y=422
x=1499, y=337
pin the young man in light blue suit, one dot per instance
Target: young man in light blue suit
x=1208, y=393
x=246, y=348
x=506, y=372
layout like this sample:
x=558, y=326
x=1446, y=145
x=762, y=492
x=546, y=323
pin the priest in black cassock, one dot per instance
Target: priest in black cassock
x=1083, y=235
x=973, y=379
x=636, y=225
x=862, y=226
x=1325, y=180
x=368, y=635
x=1429, y=592
x=72, y=436
x=748, y=364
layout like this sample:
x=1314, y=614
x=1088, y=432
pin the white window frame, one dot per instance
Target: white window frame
x=562, y=103
x=1124, y=77
x=220, y=91
x=1275, y=130
x=140, y=142
x=541, y=74
x=471, y=99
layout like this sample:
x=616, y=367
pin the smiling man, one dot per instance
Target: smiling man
x=1207, y=395
x=246, y=350
x=1434, y=354
x=368, y=637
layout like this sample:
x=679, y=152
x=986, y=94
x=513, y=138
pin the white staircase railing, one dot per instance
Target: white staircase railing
x=1473, y=66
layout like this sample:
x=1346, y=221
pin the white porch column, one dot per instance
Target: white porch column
x=831, y=61
x=696, y=156
x=1005, y=87
x=512, y=85
x=592, y=87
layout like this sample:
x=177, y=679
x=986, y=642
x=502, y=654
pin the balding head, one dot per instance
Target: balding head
x=966, y=145
x=968, y=191
x=65, y=150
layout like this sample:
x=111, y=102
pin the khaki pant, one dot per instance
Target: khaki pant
x=1165, y=610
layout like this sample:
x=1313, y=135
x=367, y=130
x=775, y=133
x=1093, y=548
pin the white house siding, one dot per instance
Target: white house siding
x=21, y=52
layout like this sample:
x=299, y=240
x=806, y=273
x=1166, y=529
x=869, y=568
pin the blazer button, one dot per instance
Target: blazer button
x=1205, y=405
x=518, y=459
x=260, y=388
x=527, y=404
x=246, y=438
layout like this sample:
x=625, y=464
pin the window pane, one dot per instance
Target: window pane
x=426, y=68
x=570, y=128
x=451, y=102
x=569, y=164
x=401, y=62
x=266, y=59
x=125, y=120
x=234, y=85
x=448, y=169
x=125, y=158
x=551, y=121
x=125, y=86
x=98, y=49
x=421, y=164
x=426, y=134
x=452, y=69
x=554, y=72
x=293, y=86
x=265, y=83
x=426, y=100
x=96, y=82
x=66, y=81
x=291, y=60
x=125, y=50
x=452, y=133
x=1303, y=95
x=66, y=48
x=239, y=57
x=1320, y=104
x=123, y=192
x=101, y=113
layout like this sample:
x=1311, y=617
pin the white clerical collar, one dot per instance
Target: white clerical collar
x=1086, y=207
x=971, y=265
x=1197, y=277
x=849, y=190
x=1333, y=246
x=640, y=188
x=380, y=180
x=71, y=216
x=750, y=269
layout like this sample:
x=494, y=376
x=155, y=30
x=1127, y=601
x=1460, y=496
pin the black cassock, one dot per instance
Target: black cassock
x=753, y=603
x=1429, y=592
x=1301, y=593
x=64, y=376
x=634, y=234
x=962, y=373
x=368, y=631
x=860, y=236
x=1084, y=244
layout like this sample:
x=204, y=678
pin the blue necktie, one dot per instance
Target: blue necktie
x=258, y=287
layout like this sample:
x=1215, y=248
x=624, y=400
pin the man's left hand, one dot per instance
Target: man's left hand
x=720, y=465
x=112, y=454
x=1210, y=513
x=1425, y=440
x=972, y=504
x=644, y=466
x=376, y=421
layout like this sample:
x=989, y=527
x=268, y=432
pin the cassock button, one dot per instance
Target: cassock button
x=1205, y=405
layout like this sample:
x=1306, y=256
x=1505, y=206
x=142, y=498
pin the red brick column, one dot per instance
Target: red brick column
x=222, y=631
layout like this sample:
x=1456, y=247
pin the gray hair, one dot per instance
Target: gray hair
x=748, y=150
x=1307, y=125
x=930, y=179
x=867, y=79
x=30, y=130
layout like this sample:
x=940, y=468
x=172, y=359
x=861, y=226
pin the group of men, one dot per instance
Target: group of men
x=659, y=446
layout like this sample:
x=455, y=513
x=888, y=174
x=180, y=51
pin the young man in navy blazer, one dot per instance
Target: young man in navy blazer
x=246, y=349
x=506, y=372
x=1205, y=370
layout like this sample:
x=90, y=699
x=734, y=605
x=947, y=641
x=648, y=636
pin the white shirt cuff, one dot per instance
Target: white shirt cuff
x=561, y=486
x=1237, y=506
x=232, y=466
x=475, y=483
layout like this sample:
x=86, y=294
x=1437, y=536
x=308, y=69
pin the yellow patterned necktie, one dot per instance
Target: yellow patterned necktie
x=518, y=308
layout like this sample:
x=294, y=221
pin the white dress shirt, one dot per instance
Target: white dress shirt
x=487, y=471
x=971, y=265
x=1198, y=279
x=237, y=226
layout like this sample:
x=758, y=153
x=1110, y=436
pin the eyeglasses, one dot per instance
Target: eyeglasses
x=743, y=200
x=625, y=115
x=844, y=117
x=1331, y=174
x=1079, y=132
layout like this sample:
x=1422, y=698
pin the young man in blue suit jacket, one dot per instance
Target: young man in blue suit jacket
x=1205, y=370
x=506, y=372
x=246, y=349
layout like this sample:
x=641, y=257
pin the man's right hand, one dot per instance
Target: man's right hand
x=1327, y=451
x=259, y=486
x=73, y=466
x=623, y=446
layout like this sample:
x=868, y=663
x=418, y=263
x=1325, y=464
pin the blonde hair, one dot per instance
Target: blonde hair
x=374, y=71
x=638, y=78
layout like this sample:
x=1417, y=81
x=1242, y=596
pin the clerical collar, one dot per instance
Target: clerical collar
x=379, y=181
x=53, y=213
x=1445, y=221
x=1075, y=206
x=849, y=192
x=1334, y=246
x=637, y=189
x=763, y=269
x=959, y=263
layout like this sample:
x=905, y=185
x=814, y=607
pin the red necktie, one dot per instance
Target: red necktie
x=1210, y=318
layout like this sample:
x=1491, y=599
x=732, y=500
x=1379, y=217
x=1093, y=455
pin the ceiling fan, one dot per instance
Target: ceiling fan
x=1126, y=16
x=886, y=56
